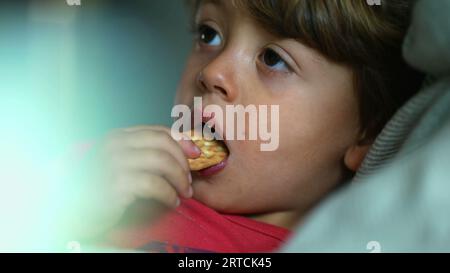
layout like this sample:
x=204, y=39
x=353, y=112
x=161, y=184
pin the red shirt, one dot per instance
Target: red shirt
x=193, y=227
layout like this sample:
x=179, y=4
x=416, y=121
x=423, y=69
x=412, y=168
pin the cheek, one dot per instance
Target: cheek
x=321, y=119
x=313, y=141
x=187, y=86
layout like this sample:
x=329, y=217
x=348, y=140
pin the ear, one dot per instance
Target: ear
x=355, y=155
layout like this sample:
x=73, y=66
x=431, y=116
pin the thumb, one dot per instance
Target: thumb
x=187, y=145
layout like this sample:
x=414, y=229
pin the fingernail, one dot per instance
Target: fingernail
x=178, y=202
x=190, y=178
x=197, y=149
x=190, y=192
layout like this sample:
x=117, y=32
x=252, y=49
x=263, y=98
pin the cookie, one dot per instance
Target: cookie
x=213, y=152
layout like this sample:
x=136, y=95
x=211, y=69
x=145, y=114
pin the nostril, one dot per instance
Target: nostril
x=221, y=90
x=203, y=85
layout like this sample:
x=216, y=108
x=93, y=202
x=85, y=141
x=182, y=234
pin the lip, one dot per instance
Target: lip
x=205, y=117
x=218, y=135
x=210, y=171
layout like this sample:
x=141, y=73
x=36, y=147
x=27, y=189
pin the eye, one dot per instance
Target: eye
x=274, y=61
x=209, y=36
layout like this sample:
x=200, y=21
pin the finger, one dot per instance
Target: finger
x=157, y=162
x=153, y=139
x=189, y=148
x=149, y=186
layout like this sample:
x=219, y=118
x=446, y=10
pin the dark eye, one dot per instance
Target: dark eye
x=209, y=36
x=273, y=60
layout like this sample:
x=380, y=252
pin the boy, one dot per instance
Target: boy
x=335, y=70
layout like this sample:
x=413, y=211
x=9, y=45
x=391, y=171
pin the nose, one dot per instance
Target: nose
x=219, y=76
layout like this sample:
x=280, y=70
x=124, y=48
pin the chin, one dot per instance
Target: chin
x=217, y=202
x=225, y=204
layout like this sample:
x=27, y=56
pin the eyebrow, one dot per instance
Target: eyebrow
x=217, y=3
x=214, y=2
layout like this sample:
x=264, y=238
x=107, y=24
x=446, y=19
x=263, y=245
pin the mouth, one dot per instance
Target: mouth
x=210, y=171
x=208, y=120
x=216, y=168
x=215, y=149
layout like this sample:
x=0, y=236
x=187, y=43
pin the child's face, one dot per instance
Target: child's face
x=235, y=61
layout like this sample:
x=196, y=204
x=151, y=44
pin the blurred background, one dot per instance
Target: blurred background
x=92, y=67
x=72, y=73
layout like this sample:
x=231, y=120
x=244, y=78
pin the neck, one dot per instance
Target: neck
x=285, y=219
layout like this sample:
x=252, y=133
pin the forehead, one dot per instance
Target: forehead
x=214, y=2
x=225, y=5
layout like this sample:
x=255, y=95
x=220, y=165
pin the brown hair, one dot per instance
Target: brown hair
x=366, y=38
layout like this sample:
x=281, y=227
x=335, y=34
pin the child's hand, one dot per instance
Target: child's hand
x=144, y=162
